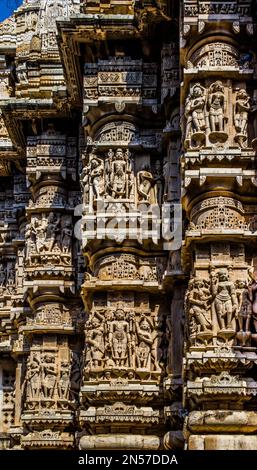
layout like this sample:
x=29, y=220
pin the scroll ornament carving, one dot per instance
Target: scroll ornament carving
x=121, y=342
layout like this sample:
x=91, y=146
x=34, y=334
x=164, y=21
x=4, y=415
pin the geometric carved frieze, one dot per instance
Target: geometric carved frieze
x=120, y=79
x=120, y=412
x=214, y=55
x=128, y=266
x=54, y=318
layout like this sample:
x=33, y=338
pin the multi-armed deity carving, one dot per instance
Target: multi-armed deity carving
x=241, y=112
x=208, y=116
x=113, y=179
x=224, y=301
x=195, y=115
x=49, y=234
x=124, y=343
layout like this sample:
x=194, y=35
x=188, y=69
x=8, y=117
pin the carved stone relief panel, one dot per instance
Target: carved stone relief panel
x=216, y=116
x=220, y=300
x=123, y=339
x=7, y=404
x=113, y=178
x=7, y=277
x=218, y=213
x=49, y=381
x=128, y=266
x=120, y=78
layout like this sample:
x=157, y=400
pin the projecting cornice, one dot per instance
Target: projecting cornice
x=16, y=111
x=91, y=28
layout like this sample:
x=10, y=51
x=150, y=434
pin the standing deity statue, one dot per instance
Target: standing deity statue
x=195, y=111
x=119, y=339
x=85, y=181
x=3, y=274
x=217, y=107
x=241, y=112
x=145, y=182
x=242, y=108
x=244, y=306
x=66, y=233
x=198, y=296
x=52, y=231
x=253, y=299
x=97, y=177
x=48, y=376
x=253, y=111
x=145, y=342
x=39, y=228
x=225, y=299
x=159, y=181
x=95, y=343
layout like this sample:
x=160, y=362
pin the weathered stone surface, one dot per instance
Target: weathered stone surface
x=128, y=225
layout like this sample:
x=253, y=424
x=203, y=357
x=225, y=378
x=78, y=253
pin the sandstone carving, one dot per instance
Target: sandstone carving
x=128, y=225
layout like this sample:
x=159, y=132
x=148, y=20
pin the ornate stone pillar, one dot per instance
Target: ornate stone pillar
x=52, y=374
x=219, y=303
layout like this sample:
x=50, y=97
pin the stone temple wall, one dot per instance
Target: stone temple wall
x=128, y=225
